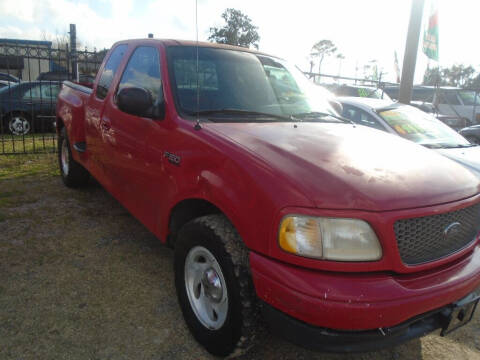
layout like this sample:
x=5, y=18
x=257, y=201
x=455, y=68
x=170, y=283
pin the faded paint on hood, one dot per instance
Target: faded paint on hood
x=340, y=166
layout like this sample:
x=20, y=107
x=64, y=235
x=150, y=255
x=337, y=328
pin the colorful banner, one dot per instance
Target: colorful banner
x=430, y=36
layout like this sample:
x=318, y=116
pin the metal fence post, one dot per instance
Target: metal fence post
x=73, y=49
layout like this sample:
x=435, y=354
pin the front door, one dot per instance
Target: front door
x=131, y=164
x=97, y=131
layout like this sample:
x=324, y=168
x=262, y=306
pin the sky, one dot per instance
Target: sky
x=362, y=30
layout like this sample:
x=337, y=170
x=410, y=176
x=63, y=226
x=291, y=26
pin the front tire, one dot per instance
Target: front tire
x=73, y=174
x=214, y=285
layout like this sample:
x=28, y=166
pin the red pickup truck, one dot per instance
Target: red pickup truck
x=346, y=238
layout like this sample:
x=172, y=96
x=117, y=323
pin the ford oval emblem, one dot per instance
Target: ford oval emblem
x=452, y=230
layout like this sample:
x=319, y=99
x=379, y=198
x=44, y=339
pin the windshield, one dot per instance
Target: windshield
x=241, y=81
x=468, y=98
x=422, y=128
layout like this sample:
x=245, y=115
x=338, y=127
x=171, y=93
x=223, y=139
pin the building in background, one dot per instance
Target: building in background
x=25, y=59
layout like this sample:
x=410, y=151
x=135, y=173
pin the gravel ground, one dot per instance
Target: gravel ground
x=80, y=278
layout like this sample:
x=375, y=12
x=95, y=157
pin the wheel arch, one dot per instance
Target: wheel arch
x=16, y=112
x=186, y=210
x=59, y=124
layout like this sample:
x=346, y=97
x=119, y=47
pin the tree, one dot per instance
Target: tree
x=340, y=58
x=322, y=49
x=457, y=75
x=433, y=76
x=238, y=30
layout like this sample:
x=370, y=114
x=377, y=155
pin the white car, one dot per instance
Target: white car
x=412, y=124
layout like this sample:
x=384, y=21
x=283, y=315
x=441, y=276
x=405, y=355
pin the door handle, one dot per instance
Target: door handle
x=106, y=124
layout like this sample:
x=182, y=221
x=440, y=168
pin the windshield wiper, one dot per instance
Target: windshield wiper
x=459, y=146
x=321, y=115
x=242, y=112
x=445, y=146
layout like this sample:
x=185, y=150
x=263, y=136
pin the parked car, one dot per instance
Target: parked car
x=415, y=125
x=8, y=77
x=28, y=106
x=53, y=76
x=6, y=83
x=359, y=91
x=345, y=237
x=452, y=101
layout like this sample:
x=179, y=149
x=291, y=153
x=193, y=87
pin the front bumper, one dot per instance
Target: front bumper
x=363, y=301
x=317, y=338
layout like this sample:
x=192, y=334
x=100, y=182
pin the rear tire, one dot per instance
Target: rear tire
x=214, y=285
x=18, y=124
x=73, y=174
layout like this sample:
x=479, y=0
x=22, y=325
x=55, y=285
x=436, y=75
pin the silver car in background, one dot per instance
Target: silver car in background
x=412, y=124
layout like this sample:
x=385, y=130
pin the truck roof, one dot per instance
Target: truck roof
x=176, y=42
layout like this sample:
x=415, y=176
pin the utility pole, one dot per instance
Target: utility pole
x=73, y=49
x=411, y=49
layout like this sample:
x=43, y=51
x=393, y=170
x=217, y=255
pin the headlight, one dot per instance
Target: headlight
x=329, y=238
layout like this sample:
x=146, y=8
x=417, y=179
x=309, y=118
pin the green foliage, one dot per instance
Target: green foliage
x=457, y=75
x=238, y=30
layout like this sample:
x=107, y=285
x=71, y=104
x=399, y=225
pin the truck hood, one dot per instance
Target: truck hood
x=341, y=166
x=468, y=157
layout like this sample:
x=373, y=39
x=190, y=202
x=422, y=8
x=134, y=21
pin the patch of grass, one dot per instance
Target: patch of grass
x=28, y=143
x=18, y=166
x=8, y=198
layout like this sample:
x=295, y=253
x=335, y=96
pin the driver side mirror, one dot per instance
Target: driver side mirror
x=139, y=101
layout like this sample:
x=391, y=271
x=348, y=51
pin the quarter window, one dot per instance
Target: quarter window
x=109, y=71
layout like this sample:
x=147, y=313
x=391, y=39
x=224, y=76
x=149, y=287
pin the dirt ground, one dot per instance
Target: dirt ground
x=80, y=278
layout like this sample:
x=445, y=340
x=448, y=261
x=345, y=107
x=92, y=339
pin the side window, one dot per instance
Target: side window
x=361, y=117
x=143, y=70
x=449, y=97
x=32, y=93
x=425, y=95
x=50, y=91
x=109, y=70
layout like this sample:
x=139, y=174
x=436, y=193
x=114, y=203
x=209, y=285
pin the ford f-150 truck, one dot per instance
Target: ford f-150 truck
x=345, y=238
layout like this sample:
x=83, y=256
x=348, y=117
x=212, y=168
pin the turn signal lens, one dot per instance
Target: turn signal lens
x=301, y=236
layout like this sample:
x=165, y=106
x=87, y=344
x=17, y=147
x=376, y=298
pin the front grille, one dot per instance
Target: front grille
x=423, y=239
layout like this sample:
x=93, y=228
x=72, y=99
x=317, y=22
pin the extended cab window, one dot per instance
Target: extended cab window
x=143, y=71
x=109, y=70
